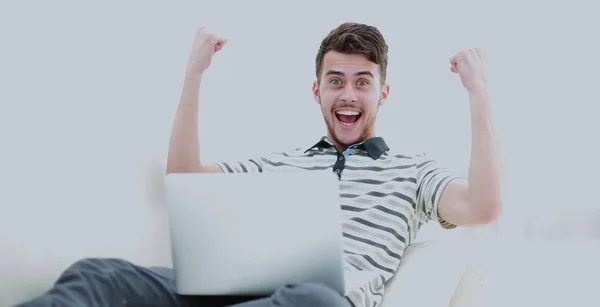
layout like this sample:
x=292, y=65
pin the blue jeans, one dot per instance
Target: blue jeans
x=117, y=283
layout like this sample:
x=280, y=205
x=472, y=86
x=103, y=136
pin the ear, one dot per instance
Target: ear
x=385, y=92
x=315, y=90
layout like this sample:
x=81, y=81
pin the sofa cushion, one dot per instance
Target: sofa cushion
x=429, y=274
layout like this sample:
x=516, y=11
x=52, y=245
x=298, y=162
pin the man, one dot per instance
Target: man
x=385, y=196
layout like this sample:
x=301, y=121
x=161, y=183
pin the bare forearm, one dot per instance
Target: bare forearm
x=485, y=169
x=184, y=147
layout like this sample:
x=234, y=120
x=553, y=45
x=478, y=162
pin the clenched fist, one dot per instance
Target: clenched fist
x=204, y=47
x=470, y=66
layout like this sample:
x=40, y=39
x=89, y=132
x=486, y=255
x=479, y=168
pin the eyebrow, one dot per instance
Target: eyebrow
x=360, y=73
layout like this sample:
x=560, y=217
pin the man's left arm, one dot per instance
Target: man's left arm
x=478, y=199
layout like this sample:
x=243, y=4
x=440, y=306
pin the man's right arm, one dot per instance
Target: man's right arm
x=184, y=146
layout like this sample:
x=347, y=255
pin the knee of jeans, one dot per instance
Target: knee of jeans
x=96, y=265
x=315, y=294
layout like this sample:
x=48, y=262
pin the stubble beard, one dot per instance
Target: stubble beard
x=365, y=134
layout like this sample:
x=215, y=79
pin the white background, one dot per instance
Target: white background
x=88, y=92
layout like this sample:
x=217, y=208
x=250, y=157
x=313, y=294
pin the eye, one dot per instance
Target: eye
x=363, y=82
x=335, y=81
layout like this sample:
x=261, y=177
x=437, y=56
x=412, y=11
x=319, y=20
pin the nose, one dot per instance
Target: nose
x=348, y=94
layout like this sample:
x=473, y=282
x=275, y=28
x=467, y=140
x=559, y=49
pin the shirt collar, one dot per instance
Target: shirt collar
x=375, y=147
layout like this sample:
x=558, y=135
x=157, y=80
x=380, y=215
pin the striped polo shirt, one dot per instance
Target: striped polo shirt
x=384, y=196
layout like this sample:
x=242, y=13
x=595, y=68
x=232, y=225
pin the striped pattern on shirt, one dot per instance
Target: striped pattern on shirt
x=385, y=198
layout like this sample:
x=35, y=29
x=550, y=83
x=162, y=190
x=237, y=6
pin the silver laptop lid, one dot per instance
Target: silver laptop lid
x=248, y=234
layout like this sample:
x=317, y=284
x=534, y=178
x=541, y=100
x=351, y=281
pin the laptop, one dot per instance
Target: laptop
x=249, y=234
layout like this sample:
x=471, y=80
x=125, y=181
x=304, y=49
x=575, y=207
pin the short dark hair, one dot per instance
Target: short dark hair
x=355, y=38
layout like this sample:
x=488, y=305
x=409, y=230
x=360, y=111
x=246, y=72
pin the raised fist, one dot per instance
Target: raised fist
x=470, y=65
x=205, y=46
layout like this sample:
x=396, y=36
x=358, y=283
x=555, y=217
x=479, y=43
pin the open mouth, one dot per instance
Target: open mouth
x=347, y=118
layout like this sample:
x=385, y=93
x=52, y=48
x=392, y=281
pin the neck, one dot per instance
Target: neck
x=342, y=147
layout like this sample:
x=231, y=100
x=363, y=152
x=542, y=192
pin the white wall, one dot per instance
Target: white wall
x=88, y=93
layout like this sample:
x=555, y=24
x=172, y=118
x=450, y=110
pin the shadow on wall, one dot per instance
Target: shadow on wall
x=153, y=175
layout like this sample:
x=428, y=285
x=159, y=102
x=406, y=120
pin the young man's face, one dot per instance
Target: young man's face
x=350, y=93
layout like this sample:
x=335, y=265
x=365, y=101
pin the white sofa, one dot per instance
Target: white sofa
x=429, y=275
x=433, y=274
x=40, y=238
x=42, y=233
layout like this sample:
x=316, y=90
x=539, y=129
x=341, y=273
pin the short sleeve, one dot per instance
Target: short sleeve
x=254, y=165
x=432, y=179
x=269, y=162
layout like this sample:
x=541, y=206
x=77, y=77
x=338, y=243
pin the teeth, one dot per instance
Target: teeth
x=350, y=113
